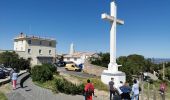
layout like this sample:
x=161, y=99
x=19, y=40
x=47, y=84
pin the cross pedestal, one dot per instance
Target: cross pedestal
x=112, y=71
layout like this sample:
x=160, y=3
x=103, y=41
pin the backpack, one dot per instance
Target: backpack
x=90, y=91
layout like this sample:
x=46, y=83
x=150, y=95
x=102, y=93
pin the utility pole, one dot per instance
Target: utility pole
x=163, y=70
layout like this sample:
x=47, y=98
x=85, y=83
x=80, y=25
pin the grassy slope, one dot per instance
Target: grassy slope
x=50, y=84
x=96, y=81
x=155, y=90
x=2, y=96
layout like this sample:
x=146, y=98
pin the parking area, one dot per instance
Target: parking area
x=4, y=72
x=80, y=74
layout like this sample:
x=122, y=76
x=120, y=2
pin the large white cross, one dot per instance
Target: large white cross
x=114, y=21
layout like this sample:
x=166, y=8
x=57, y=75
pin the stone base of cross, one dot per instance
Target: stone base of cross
x=117, y=75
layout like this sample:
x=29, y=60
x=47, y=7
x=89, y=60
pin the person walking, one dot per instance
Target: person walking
x=162, y=90
x=135, y=90
x=11, y=72
x=125, y=91
x=14, y=79
x=112, y=88
x=89, y=90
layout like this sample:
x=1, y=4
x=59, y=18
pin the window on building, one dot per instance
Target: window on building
x=21, y=48
x=49, y=52
x=50, y=44
x=40, y=42
x=29, y=59
x=29, y=51
x=68, y=58
x=40, y=51
x=75, y=59
x=29, y=41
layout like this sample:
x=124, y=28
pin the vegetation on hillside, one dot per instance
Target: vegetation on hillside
x=42, y=73
x=11, y=59
x=132, y=65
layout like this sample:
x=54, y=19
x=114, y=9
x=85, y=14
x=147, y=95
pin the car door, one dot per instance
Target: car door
x=72, y=67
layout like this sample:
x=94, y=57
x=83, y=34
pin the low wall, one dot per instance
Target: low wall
x=93, y=69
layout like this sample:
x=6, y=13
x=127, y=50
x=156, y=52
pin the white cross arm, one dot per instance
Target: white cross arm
x=111, y=18
x=107, y=17
x=118, y=21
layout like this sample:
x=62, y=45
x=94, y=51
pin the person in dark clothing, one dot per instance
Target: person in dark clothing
x=112, y=88
x=125, y=91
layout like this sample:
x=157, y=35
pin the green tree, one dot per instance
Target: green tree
x=8, y=58
x=11, y=59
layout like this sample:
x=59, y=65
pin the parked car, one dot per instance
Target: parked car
x=2, y=74
x=60, y=64
x=7, y=72
x=69, y=62
x=72, y=67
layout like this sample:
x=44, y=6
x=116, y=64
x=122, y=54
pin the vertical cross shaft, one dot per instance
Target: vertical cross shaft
x=113, y=34
x=114, y=21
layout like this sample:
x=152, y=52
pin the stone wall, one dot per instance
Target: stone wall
x=93, y=69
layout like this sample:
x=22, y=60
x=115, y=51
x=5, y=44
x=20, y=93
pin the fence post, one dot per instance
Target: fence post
x=154, y=93
x=142, y=91
x=148, y=92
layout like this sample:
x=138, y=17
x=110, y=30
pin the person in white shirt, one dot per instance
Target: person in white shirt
x=14, y=78
x=118, y=88
x=135, y=90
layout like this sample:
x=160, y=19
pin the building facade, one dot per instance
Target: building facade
x=78, y=57
x=38, y=50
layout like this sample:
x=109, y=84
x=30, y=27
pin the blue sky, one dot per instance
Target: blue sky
x=146, y=30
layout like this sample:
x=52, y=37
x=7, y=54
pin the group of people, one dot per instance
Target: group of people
x=123, y=91
x=13, y=77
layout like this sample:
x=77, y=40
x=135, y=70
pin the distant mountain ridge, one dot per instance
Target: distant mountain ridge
x=160, y=60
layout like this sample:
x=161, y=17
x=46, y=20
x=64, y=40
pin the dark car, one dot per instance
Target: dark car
x=7, y=72
x=2, y=74
x=60, y=64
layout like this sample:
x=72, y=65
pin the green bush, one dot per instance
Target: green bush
x=41, y=73
x=64, y=86
x=51, y=67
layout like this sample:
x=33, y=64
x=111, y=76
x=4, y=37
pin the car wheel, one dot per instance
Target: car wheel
x=66, y=69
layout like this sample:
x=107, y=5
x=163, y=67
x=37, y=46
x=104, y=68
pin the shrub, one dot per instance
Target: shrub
x=51, y=67
x=41, y=73
x=64, y=86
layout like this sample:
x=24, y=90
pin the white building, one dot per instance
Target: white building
x=77, y=57
x=38, y=50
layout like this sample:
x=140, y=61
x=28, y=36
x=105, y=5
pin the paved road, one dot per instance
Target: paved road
x=80, y=74
x=33, y=92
